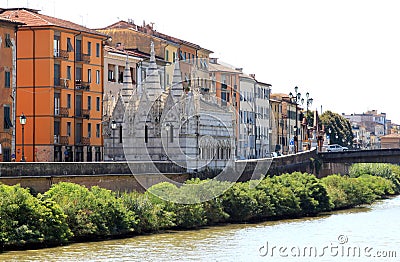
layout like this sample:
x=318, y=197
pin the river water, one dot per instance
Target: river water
x=361, y=234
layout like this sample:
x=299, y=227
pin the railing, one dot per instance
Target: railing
x=85, y=141
x=85, y=113
x=80, y=57
x=64, y=140
x=64, y=111
x=64, y=54
x=81, y=85
x=64, y=82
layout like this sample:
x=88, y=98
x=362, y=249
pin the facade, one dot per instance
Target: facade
x=390, y=141
x=254, y=118
x=276, y=124
x=8, y=29
x=192, y=57
x=59, y=88
x=289, y=122
x=173, y=125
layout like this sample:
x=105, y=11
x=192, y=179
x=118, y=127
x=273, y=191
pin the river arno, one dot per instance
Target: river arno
x=363, y=234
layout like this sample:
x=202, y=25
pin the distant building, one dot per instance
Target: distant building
x=390, y=141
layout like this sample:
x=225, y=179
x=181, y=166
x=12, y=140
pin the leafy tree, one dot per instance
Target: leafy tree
x=338, y=128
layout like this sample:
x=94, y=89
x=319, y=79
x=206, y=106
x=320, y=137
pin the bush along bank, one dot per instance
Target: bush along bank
x=70, y=212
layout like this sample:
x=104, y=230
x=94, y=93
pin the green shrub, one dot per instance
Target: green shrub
x=151, y=216
x=95, y=212
x=29, y=220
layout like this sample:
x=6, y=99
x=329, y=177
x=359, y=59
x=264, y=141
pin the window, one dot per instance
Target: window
x=110, y=75
x=120, y=134
x=173, y=57
x=57, y=75
x=166, y=55
x=89, y=102
x=68, y=100
x=97, y=50
x=146, y=134
x=56, y=46
x=7, y=82
x=69, y=45
x=89, y=48
x=8, y=41
x=97, y=130
x=97, y=76
x=7, y=118
x=89, y=130
x=69, y=72
x=97, y=104
x=68, y=128
x=89, y=76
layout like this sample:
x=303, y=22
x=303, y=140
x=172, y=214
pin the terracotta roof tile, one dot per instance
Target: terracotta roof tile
x=32, y=18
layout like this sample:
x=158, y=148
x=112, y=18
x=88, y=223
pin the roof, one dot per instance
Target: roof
x=7, y=20
x=222, y=68
x=147, y=29
x=32, y=17
x=395, y=135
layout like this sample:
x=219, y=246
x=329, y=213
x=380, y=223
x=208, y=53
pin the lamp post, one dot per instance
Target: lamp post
x=113, y=127
x=309, y=102
x=296, y=99
x=22, y=121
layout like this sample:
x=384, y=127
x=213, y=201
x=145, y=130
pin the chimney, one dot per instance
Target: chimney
x=253, y=76
x=240, y=69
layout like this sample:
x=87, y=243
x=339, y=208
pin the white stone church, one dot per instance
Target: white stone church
x=185, y=127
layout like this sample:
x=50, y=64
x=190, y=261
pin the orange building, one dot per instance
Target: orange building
x=59, y=88
x=8, y=29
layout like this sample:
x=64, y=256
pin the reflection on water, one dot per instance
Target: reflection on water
x=375, y=227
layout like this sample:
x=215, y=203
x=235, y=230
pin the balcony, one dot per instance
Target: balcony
x=61, y=111
x=84, y=58
x=63, y=54
x=85, y=141
x=64, y=140
x=85, y=113
x=81, y=85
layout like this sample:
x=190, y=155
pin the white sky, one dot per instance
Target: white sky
x=345, y=53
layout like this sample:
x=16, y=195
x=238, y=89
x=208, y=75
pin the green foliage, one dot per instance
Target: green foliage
x=309, y=190
x=346, y=192
x=29, y=220
x=339, y=126
x=152, y=216
x=95, y=212
x=388, y=171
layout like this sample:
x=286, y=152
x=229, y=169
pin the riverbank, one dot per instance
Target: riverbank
x=69, y=212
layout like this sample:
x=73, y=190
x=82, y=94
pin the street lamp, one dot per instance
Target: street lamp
x=22, y=121
x=296, y=99
x=113, y=127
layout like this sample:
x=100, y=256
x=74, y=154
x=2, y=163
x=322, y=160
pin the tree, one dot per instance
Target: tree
x=337, y=128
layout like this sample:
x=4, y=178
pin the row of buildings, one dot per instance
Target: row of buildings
x=129, y=92
x=373, y=130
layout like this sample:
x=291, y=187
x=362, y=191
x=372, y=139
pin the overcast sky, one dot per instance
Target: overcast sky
x=345, y=53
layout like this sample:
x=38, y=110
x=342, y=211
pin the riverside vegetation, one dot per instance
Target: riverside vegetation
x=70, y=212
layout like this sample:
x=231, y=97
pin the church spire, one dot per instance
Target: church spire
x=152, y=82
x=177, y=87
x=127, y=88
